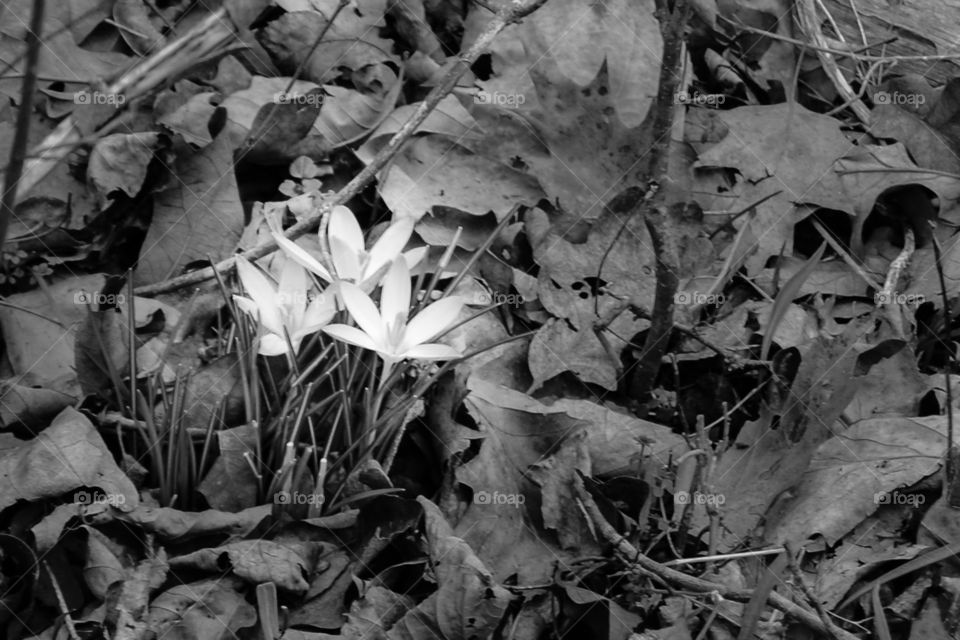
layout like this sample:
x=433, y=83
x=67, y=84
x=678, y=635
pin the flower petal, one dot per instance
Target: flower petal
x=395, y=293
x=263, y=294
x=433, y=351
x=302, y=256
x=351, y=335
x=319, y=313
x=415, y=256
x=346, y=259
x=364, y=312
x=432, y=320
x=333, y=293
x=344, y=225
x=292, y=295
x=388, y=246
x=272, y=345
x=246, y=305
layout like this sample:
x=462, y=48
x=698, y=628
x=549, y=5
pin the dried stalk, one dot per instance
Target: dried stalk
x=810, y=24
x=13, y=177
x=654, y=206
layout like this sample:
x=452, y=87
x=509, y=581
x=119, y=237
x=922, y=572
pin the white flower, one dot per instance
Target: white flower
x=351, y=260
x=282, y=310
x=388, y=330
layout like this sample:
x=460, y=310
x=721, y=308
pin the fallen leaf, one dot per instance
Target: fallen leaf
x=205, y=609
x=67, y=455
x=256, y=561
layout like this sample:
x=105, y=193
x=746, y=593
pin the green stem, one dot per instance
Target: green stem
x=374, y=410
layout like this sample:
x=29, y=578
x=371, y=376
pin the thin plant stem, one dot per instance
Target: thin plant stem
x=18, y=150
x=153, y=446
x=438, y=272
x=487, y=243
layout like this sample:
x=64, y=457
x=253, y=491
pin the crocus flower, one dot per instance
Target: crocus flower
x=388, y=330
x=282, y=310
x=351, y=260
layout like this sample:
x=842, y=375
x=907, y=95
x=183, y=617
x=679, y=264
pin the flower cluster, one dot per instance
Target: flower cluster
x=293, y=308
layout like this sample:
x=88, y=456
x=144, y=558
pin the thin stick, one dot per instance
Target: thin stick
x=856, y=15
x=810, y=24
x=18, y=150
x=62, y=602
x=950, y=459
x=845, y=255
x=725, y=556
x=864, y=85
x=832, y=629
x=655, y=207
x=896, y=269
x=853, y=53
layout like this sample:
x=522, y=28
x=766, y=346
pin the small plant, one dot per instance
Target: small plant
x=177, y=457
x=348, y=390
x=332, y=369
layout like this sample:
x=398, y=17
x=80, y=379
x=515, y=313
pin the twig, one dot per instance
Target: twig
x=833, y=23
x=845, y=255
x=832, y=629
x=810, y=25
x=71, y=628
x=725, y=556
x=725, y=419
x=18, y=150
x=932, y=172
x=655, y=205
x=747, y=209
x=673, y=577
x=952, y=457
x=515, y=12
x=706, y=483
x=732, y=359
x=852, y=53
x=864, y=85
x=856, y=15
x=899, y=263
